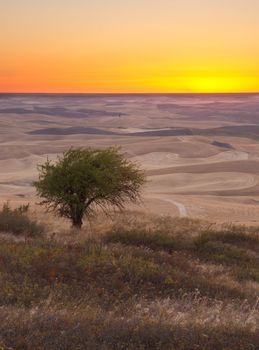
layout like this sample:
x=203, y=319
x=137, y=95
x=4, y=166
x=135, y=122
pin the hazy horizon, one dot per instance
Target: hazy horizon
x=131, y=93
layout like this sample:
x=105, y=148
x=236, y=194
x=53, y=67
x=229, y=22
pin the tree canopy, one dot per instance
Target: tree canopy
x=83, y=179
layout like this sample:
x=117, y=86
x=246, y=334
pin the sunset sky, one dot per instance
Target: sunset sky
x=129, y=46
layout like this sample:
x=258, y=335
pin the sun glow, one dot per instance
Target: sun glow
x=212, y=84
x=129, y=46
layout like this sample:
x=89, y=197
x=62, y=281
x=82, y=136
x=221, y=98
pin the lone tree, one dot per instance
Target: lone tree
x=84, y=179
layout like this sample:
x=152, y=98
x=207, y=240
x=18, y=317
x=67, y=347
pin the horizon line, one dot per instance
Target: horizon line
x=128, y=93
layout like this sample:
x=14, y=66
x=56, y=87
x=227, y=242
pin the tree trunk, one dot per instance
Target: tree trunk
x=77, y=222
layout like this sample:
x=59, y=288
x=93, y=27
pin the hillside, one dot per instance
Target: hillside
x=134, y=282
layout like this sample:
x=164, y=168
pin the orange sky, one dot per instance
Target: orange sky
x=129, y=46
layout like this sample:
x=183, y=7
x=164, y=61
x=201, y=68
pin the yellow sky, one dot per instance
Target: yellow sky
x=129, y=46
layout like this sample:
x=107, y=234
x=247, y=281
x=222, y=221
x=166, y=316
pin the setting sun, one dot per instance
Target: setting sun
x=222, y=84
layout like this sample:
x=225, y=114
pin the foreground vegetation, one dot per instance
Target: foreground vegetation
x=141, y=283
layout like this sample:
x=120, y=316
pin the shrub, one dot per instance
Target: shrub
x=152, y=240
x=17, y=222
x=237, y=235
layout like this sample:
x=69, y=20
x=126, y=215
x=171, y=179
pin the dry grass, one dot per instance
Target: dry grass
x=50, y=328
x=134, y=282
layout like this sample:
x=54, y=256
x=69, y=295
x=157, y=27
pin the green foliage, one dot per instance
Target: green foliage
x=237, y=235
x=152, y=240
x=85, y=179
x=17, y=222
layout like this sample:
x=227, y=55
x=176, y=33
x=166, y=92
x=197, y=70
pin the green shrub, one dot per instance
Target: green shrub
x=222, y=253
x=17, y=222
x=235, y=235
x=155, y=239
x=248, y=273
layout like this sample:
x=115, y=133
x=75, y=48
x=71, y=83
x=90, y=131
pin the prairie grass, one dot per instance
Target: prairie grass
x=139, y=283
